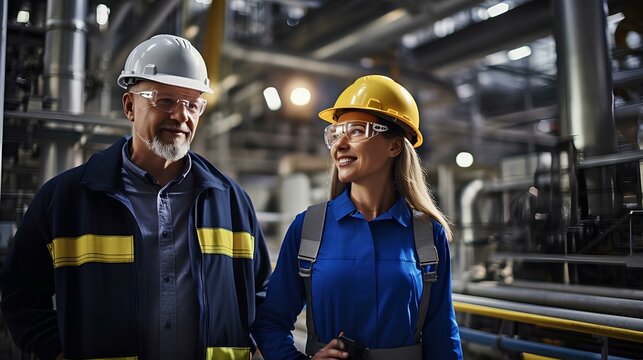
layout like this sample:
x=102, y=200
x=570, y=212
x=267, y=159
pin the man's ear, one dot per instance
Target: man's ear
x=128, y=106
x=396, y=147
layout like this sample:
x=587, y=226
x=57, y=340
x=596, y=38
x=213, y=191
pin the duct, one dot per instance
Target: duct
x=64, y=79
x=388, y=29
x=585, y=88
x=527, y=22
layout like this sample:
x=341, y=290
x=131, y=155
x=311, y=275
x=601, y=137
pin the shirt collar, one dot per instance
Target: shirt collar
x=144, y=175
x=343, y=206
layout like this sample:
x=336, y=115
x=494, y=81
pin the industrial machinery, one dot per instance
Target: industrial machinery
x=548, y=255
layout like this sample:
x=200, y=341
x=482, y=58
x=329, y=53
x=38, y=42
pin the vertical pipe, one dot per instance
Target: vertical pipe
x=64, y=58
x=64, y=78
x=3, y=55
x=585, y=87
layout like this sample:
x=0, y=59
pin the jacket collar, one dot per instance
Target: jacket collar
x=343, y=206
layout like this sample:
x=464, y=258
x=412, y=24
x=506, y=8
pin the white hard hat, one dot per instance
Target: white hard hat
x=167, y=59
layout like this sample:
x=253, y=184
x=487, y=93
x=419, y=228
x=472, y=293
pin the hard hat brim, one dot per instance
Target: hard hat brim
x=168, y=80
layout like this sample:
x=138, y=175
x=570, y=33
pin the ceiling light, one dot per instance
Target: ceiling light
x=498, y=9
x=300, y=96
x=519, y=53
x=271, y=95
x=464, y=159
x=23, y=17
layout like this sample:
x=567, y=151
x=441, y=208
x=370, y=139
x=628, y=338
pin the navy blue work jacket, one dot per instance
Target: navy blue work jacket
x=79, y=239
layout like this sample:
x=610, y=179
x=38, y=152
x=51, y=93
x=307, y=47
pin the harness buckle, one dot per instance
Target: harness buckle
x=430, y=276
x=305, y=272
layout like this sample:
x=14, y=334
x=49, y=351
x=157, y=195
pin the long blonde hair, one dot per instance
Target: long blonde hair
x=409, y=180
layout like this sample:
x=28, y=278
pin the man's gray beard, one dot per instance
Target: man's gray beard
x=170, y=152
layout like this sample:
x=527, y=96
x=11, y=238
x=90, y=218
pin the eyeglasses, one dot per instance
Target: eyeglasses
x=355, y=131
x=166, y=103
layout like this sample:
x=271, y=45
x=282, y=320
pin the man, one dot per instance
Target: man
x=150, y=251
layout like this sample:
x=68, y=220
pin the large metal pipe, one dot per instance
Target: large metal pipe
x=64, y=79
x=581, y=302
x=3, y=55
x=504, y=342
x=596, y=319
x=64, y=58
x=585, y=88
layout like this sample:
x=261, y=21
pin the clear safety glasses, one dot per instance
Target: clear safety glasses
x=355, y=131
x=166, y=103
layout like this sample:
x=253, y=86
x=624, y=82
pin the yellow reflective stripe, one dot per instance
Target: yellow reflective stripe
x=116, y=358
x=528, y=356
x=75, y=251
x=225, y=242
x=227, y=353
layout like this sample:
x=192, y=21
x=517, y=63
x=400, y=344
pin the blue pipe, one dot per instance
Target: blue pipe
x=506, y=343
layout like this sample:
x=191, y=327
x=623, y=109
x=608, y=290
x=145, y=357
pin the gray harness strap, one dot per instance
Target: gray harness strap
x=311, y=237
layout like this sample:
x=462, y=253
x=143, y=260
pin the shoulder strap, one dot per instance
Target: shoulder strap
x=311, y=236
x=428, y=257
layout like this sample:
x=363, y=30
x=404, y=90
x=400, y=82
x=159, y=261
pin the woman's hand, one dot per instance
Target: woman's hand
x=330, y=352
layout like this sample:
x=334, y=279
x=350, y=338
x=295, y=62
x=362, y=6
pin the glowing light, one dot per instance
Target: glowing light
x=271, y=95
x=519, y=53
x=300, y=96
x=498, y=9
x=464, y=159
x=102, y=14
x=23, y=17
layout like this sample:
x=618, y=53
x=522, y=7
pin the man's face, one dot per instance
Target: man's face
x=165, y=118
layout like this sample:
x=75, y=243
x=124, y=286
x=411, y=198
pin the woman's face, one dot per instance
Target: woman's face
x=364, y=160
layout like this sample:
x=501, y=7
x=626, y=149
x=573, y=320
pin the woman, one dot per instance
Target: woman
x=366, y=281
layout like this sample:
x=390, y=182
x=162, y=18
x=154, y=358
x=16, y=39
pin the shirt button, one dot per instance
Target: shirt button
x=164, y=233
x=167, y=325
x=166, y=279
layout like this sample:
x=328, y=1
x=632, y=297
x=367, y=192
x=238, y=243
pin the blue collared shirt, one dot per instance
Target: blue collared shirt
x=168, y=304
x=366, y=283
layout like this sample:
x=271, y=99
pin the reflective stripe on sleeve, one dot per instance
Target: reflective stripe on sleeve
x=225, y=242
x=227, y=353
x=75, y=251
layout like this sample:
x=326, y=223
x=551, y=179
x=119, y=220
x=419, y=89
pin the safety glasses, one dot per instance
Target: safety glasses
x=354, y=130
x=166, y=103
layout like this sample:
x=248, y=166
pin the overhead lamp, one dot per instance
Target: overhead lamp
x=498, y=9
x=271, y=95
x=300, y=96
x=23, y=17
x=102, y=14
x=464, y=159
x=519, y=53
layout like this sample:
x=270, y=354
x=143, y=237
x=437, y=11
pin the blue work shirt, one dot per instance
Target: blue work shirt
x=169, y=308
x=366, y=282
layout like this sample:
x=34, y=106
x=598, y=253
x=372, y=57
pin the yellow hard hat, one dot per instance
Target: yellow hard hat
x=382, y=96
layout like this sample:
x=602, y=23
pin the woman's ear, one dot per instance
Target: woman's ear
x=128, y=106
x=396, y=146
